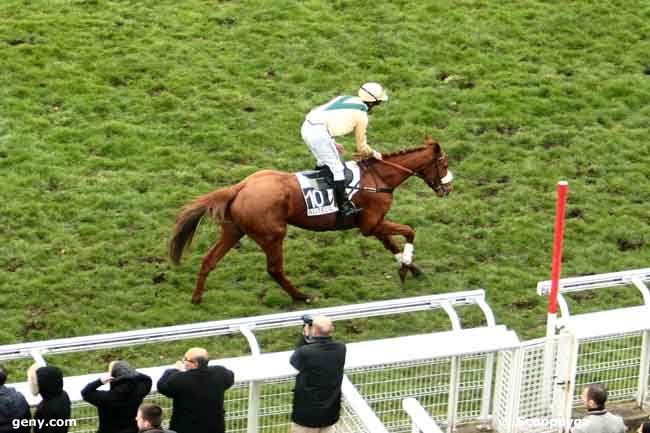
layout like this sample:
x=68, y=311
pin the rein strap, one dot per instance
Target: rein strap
x=400, y=167
x=369, y=189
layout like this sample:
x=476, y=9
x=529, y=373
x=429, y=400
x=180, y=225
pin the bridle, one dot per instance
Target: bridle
x=438, y=182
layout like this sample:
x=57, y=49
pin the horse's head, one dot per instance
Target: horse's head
x=437, y=175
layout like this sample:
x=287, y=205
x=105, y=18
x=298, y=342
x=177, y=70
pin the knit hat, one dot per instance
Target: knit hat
x=49, y=380
x=121, y=369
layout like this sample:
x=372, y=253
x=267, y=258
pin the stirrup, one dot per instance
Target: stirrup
x=348, y=208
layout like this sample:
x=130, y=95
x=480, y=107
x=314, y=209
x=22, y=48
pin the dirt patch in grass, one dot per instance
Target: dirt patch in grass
x=630, y=244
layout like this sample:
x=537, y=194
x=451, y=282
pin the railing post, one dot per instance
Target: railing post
x=514, y=392
x=453, y=394
x=642, y=391
x=487, y=389
x=254, y=387
x=454, y=378
x=489, y=366
x=453, y=315
x=37, y=356
x=564, y=382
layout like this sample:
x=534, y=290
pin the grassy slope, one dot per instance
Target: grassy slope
x=115, y=113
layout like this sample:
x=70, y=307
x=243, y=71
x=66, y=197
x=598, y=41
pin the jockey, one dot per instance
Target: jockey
x=338, y=117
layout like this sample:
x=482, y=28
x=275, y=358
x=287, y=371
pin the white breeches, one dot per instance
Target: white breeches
x=323, y=146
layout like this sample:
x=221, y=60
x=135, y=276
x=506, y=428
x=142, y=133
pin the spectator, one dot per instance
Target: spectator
x=197, y=391
x=598, y=419
x=118, y=406
x=317, y=394
x=13, y=406
x=54, y=409
x=150, y=418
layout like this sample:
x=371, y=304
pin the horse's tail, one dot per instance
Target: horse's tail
x=215, y=202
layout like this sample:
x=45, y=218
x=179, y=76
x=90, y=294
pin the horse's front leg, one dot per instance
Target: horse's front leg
x=390, y=245
x=383, y=231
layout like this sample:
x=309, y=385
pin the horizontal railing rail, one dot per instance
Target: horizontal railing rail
x=590, y=282
x=447, y=301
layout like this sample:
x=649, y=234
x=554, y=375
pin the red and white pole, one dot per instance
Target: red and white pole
x=556, y=268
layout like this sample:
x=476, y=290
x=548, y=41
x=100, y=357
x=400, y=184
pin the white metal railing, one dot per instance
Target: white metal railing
x=449, y=373
x=597, y=281
x=542, y=380
x=636, y=277
x=383, y=372
x=447, y=302
x=613, y=345
x=421, y=421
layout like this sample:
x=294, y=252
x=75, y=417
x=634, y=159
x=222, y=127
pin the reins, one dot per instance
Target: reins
x=399, y=167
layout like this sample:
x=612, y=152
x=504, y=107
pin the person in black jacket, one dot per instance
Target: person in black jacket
x=317, y=394
x=197, y=391
x=14, y=410
x=53, y=412
x=118, y=407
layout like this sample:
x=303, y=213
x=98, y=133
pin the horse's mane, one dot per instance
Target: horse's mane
x=404, y=151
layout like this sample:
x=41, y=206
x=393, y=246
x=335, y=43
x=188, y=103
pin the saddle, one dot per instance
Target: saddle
x=317, y=187
x=323, y=177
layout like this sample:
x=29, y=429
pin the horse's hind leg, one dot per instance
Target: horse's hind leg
x=272, y=246
x=230, y=235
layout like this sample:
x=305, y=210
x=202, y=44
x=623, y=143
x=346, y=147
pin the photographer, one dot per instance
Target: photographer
x=317, y=394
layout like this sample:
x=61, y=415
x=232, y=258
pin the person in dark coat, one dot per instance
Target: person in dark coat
x=118, y=407
x=14, y=410
x=317, y=394
x=197, y=391
x=55, y=404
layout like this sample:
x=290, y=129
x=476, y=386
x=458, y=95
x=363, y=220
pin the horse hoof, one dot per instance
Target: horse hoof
x=307, y=299
x=196, y=301
x=416, y=270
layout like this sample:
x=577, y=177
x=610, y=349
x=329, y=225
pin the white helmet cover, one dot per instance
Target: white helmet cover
x=372, y=92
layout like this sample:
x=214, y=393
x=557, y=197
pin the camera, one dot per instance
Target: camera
x=307, y=319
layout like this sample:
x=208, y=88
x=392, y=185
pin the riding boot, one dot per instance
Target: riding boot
x=346, y=207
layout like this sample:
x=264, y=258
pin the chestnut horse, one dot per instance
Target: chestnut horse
x=262, y=205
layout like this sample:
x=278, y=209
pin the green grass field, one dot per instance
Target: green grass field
x=113, y=114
